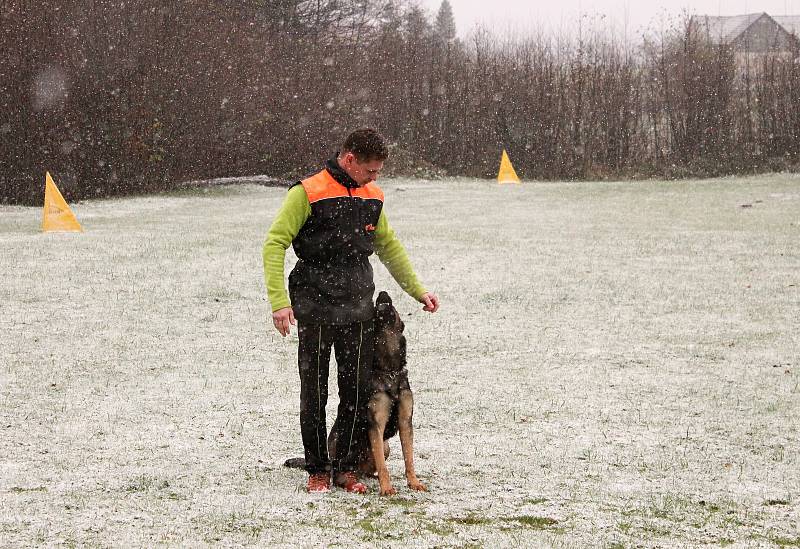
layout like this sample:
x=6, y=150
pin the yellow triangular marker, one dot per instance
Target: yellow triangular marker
x=506, y=173
x=57, y=215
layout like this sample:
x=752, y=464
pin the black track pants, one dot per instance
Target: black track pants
x=353, y=347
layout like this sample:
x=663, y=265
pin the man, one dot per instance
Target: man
x=334, y=220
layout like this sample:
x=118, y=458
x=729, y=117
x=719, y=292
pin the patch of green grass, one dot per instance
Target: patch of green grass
x=673, y=506
x=244, y=524
x=536, y=501
x=532, y=522
x=656, y=530
x=368, y=525
x=786, y=542
x=773, y=407
x=525, y=520
x=21, y=490
x=776, y=502
x=440, y=529
x=143, y=483
x=470, y=520
x=712, y=507
x=403, y=502
x=254, y=474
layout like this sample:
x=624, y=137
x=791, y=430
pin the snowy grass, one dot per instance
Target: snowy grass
x=614, y=364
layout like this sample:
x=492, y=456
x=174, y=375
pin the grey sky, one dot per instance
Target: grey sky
x=630, y=15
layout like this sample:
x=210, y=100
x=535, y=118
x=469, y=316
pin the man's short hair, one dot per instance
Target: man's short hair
x=367, y=145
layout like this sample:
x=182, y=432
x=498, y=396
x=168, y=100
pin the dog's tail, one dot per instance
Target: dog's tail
x=295, y=463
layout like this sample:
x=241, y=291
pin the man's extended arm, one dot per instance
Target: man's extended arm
x=393, y=255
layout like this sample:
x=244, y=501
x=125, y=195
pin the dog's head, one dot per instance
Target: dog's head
x=386, y=316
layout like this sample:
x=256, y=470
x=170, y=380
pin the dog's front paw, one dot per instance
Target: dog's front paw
x=388, y=490
x=417, y=485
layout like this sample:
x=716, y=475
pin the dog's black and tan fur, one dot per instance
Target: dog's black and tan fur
x=391, y=406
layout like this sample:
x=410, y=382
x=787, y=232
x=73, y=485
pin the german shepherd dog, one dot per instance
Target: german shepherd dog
x=391, y=405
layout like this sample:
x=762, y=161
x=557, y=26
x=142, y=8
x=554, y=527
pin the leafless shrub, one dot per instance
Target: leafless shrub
x=119, y=98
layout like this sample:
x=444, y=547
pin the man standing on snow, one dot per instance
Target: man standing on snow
x=334, y=220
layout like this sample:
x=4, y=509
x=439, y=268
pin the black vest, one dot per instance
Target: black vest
x=332, y=282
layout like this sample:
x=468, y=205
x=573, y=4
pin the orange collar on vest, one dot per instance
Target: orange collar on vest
x=323, y=186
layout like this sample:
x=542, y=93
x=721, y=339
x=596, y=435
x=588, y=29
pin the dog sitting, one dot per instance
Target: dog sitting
x=391, y=406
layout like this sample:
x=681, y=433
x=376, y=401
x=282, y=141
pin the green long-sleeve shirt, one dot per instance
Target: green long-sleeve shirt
x=287, y=224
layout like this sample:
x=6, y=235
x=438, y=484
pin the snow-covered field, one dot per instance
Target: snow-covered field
x=614, y=364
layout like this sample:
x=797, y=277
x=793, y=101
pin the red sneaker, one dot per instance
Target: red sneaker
x=349, y=481
x=319, y=482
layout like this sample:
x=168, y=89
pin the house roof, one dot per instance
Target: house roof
x=726, y=28
x=789, y=22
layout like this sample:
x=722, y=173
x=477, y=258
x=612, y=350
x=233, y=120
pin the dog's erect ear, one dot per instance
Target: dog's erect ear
x=383, y=297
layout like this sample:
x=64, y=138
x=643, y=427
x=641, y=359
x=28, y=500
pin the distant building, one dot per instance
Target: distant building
x=789, y=22
x=756, y=33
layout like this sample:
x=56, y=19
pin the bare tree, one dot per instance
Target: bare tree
x=134, y=97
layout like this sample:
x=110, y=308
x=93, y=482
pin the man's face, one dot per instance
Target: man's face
x=361, y=172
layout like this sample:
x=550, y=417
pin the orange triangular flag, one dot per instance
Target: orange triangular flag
x=57, y=215
x=506, y=173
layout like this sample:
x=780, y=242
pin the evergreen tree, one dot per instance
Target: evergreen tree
x=446, y=22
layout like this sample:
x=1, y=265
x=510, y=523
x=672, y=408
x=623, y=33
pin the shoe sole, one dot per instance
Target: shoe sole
x=353, y=490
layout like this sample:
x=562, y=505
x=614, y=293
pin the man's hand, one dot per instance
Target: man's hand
x=431, y=302
x=282, y=318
